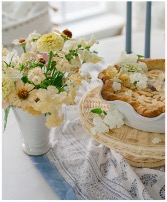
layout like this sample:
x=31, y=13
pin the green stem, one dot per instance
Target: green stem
x=50, y=59
x=24, y=48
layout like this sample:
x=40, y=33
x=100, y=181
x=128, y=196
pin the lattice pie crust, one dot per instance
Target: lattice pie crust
x=148, y=102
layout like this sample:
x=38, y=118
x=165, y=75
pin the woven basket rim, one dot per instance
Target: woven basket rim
x=151, y=155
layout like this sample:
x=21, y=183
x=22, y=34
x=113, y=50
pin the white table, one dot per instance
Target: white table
x=20, y=179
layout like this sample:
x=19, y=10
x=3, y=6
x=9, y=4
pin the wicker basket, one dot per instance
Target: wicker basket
x=135, y=145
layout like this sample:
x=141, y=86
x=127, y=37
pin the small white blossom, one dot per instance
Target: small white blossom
x=87, y=56
x=156, y=140
x=128, y=93
x=116, y=85
x=33, y=36
x=142, y=67
x=114, y=119
x=99, y=126
x=126, y=59
x=92, y=41
x=140, y=80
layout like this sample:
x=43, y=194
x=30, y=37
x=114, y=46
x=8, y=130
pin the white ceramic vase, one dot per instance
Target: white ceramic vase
x=35, y=133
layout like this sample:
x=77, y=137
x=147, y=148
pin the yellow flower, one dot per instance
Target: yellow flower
x=7, y=86
x=50, y=42
x=23, y=96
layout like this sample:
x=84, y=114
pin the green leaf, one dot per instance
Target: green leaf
x=97, y=111
x=105, y=113
x=79, y=46
x=24, y=79
x=6, y=116
x=140, y=56
x=135, y=83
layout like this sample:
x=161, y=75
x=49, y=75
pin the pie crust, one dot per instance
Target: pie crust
x=148, y=102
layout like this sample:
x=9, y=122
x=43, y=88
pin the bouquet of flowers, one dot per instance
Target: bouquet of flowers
x=47, y=74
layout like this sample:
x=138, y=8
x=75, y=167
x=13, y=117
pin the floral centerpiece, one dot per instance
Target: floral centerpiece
x=47, y=75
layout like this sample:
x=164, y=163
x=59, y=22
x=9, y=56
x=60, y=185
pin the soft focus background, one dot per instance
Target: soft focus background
x=83, y=18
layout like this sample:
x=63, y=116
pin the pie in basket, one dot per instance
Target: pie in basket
x=139, y=82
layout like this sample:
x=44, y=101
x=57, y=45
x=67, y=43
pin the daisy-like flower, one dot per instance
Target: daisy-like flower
x=67, y=33
x=23, y=95
x=20, y=41
x=7, y=86
x=50, y=42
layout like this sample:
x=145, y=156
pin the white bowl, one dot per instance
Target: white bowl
x=135, y=120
